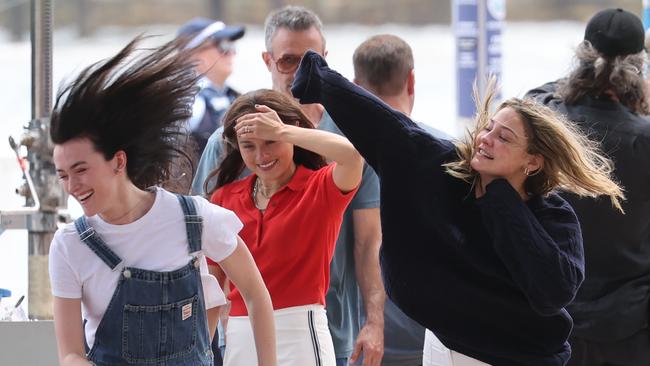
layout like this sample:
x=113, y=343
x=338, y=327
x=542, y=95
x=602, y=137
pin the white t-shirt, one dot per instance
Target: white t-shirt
x=156, y=242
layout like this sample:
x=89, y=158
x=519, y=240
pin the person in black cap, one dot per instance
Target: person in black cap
x=214, y=49
x=605, y=95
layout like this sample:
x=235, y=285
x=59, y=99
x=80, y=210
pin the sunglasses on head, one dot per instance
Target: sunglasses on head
x=224, y=46
x=287, y=64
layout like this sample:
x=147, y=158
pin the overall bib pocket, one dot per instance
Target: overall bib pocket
x=154, y=333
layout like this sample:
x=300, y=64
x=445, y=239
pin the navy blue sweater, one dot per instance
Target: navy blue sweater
x=490, y=276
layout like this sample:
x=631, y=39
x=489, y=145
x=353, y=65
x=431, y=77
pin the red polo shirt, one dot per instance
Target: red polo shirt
x=293, y=241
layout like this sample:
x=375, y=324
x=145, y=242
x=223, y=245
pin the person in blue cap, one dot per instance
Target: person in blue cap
x=605, y=95
x=212, y=43
x=213, y=51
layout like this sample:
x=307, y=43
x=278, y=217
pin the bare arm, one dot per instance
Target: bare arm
x=367, y=240
x=266, y=125
x=223, y=310
x=242, y=271
x=69, y=331
x=213, y=315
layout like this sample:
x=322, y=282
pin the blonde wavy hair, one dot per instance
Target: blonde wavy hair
x=572, y=162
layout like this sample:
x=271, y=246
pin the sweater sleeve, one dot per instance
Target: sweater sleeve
x=542, y=250
x=385, y=137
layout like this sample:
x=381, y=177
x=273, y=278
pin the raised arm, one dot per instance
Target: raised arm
x=542, y=250
x=376, y=130
x=242, y=271
x=266, y=125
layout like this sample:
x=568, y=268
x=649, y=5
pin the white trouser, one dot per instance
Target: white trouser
x=436, y=354
x=301, y=334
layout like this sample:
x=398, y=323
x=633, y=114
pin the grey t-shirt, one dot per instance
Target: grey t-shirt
x=343, y=296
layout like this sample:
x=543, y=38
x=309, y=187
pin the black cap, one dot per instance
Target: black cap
x=615, y=32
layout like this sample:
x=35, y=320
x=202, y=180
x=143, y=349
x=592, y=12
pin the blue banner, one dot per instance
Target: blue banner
x=477, y=25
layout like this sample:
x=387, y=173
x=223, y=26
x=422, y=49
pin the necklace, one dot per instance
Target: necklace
x=256, y=188
x=261, y=191
x=136, y=205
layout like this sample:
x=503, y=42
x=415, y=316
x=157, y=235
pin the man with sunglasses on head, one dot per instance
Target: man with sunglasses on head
x=354, y=271
x=214, y=47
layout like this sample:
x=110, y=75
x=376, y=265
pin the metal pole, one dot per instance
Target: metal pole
x=41, y=33
x=42, y=225
x=477, y=26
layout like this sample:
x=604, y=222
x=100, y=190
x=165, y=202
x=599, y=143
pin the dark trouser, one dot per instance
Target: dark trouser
x=218, y=361
x=632, y=351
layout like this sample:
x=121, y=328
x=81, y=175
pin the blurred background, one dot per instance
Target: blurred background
x=537, y=42
x=87, y=16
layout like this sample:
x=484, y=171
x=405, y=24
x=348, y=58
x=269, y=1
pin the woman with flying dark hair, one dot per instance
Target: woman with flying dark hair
x=129, y=277
x=292, y=206
x=477, y=246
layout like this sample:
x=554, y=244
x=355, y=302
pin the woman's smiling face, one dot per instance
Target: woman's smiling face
x=270, y=160
x=86, y=175
x=501, y=149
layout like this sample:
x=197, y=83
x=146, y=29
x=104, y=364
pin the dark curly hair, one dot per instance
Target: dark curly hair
x=135, y=101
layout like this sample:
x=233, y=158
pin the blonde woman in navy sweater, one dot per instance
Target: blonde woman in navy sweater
x=477, y=247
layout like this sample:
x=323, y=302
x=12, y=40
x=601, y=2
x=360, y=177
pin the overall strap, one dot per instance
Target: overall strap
x=88, y=235
x=193, y=222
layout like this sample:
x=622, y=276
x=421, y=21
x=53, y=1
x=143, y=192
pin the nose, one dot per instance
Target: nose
x=486, y=137
x=262, y=153
x=71, y=184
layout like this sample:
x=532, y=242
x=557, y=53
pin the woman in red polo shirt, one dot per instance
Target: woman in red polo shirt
x=291, y=206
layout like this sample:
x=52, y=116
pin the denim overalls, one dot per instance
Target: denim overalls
x=153, y=318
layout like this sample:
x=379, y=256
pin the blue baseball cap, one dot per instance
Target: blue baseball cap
x=203, y=28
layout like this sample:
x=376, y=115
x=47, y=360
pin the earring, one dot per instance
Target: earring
x=532, y=174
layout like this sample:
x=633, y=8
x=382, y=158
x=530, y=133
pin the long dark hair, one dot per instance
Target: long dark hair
x=135, y=101
x=289, y=112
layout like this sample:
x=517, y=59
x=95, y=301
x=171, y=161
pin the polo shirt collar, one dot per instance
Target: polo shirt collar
x=297, y=182
x=299, y=179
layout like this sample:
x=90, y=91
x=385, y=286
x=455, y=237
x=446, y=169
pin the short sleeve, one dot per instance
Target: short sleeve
x=220, y=229
x=367, y=195
x=327, y=190
x=63, y=279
